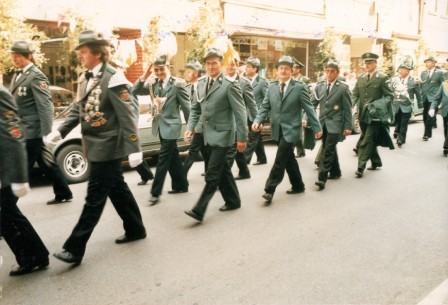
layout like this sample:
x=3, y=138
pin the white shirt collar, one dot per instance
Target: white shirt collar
x=286, y=83
x=232, y=78
x=96, y=70
x=27, y=66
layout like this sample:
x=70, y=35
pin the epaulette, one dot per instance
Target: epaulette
x=229, y=78
x=245, y=78
x=202, y=77
x=118, y=79
x=179, y=82
x=322, y=81
x=111, y=69
x=340, y=82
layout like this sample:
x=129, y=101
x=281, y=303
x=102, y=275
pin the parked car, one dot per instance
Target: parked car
x=69, y=152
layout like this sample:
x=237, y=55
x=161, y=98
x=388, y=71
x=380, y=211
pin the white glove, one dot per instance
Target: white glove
x=20, y=189
x=51, y=138
x=431, y=112
x=135, y=159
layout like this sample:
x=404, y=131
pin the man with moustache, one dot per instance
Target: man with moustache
x=106, y=112
x=221, y=107
x=31, y=92
x=168, y=95
x=260, y=86
x=285, y=100
x=335, y=118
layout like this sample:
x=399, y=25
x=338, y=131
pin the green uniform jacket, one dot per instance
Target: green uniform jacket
x=32, y=94
x=366, y=92
x=260, y=86
x=336, y=108
x=441, y=99
x=169, y=123
x=13, y=161
x=117, y=137
x=248, y=96
x=287, y=112
x=430, y=85
x=223, y=112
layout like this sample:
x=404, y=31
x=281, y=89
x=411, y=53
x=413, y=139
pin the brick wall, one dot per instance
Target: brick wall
x=136, y=69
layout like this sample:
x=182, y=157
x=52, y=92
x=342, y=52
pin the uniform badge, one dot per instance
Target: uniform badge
x=336, y=107
x=43, y=85
x=133, y=138
x=22, y=91
x=9, y=115
x=124, y=95
x=15, y=132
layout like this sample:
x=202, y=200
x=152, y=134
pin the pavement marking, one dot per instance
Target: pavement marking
x=438, y=296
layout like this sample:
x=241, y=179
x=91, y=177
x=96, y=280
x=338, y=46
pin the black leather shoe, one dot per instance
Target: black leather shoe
x=154, y=199
x=178, y=191
x=226, y=208
x=445, y=152
x=359, y=173
x=300, y=155
x=320, y=184
x=268, y=197
x=68, y=257
x=334, y=177
x=294, y=191
x=260, y=163
x=395, y=135
x=126, y=239
x=373, y=167
x=425, y=138
x=194, y=215
x=21, y=270
x=143, y=182
x=239, y=177
x=355, y=150
x=57, y=200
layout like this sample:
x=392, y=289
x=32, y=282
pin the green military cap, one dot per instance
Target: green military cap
x=430, y=58
x=161, y=60
x=332, y=63
x=254, y=61
x=195, y=65
x=367, y=57
x=21, y=46
x=92, y=38
x=213, y=52
x=298, y=63
x=285, y=60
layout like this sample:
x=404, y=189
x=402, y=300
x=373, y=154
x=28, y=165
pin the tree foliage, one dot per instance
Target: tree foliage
x=389, y=53
x=13, y=27
x=208, y=24
x=326, y=48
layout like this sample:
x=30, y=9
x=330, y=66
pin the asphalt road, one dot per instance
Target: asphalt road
x=381, y=239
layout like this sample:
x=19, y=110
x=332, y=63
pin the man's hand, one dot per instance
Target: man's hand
x=347, y=132
x=135, y=159
x=318, y=135
x=20, y=189
x=52, y=138
x=147, y=74
x=257, y=127
x=304, y=123
x=241, y=146
x=431, y=112
x=187, y=136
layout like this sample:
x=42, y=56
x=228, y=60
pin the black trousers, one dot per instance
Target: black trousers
x=218, y=174
x=169, y=162
x=284, y=160
x=144, y=171
x=38, y=152
x=401, y=125
x=18, y=232
x=368, y=148
x=240, y=158
x=197, y=145
x=428, y=120
x=255, y=145
x=106, y=180
x=445, y=131
x=329, y=161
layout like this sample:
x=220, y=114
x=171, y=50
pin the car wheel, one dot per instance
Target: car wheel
x=73, y=164
x=355, y=122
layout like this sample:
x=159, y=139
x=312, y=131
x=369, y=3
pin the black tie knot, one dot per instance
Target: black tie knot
x=88, y=75
x=19, y=72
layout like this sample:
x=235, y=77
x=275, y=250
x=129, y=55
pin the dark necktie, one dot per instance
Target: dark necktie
x=160, y=87
x=368, y=77
x=282, y=90
x=18, y=72
x=210, y=84
x=429, y=74
x=328, y=88
x=192, y=92
x=88, y=75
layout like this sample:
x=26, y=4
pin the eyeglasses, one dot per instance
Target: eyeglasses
x=159, y=69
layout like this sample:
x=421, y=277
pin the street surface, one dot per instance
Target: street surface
x=382, y=239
